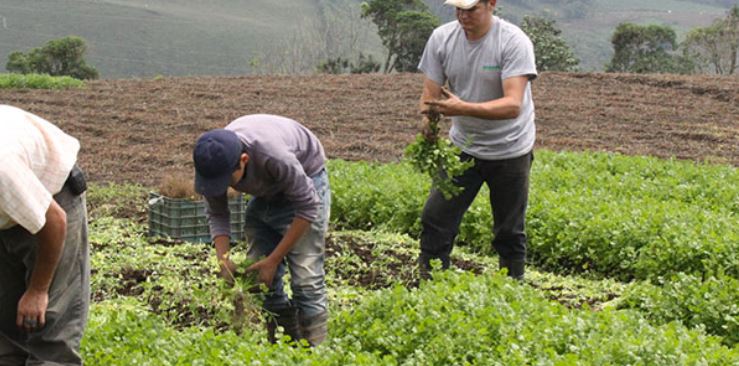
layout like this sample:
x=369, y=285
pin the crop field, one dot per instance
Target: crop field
x=140, y=130
x=633, y=226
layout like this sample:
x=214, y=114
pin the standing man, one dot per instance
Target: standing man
x=282, y=165
x=489, y=65
x=44, y=261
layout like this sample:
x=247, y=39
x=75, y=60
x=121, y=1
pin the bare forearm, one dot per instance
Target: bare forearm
x=298, y=227
x=498, y=109
x=506, y=107
x=431, y=91
x=50, y=247
x=223, y=246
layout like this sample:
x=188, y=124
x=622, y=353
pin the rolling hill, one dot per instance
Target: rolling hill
x=186, y=37
x=143, y=38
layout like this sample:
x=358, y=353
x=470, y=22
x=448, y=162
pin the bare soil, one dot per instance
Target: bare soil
x=141, y=130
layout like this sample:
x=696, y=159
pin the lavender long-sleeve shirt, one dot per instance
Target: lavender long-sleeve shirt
x=283, y=155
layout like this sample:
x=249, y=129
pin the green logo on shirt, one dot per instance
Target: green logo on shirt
x=491, y=67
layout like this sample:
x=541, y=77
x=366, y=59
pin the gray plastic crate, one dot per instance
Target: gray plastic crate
x=185, y=219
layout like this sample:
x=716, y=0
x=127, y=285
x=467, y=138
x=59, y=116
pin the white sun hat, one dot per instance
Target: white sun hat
x=462, y=4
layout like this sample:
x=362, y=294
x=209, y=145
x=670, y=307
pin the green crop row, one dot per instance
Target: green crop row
x=178, y=281
x=457, y=319
x=606, y=214
x=38, y=81
x=711, y=303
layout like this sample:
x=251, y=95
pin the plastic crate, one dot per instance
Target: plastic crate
x=185, y=219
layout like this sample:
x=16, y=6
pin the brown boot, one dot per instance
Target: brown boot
x=286, y=318
x=314, y=329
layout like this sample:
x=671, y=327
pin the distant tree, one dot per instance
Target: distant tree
x=403, y=26
x=364, y=65
x=18, y=62
x=715, y=47
x=59, y=57
x=552, y=52
x=646, y=49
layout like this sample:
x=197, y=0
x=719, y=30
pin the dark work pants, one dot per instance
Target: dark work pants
x=58, y=342
x=508, y=181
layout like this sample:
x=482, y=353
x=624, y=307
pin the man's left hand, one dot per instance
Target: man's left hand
x=451, y=106
x=266, y=268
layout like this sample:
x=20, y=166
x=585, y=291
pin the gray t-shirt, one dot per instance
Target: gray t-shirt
x=475, y=72
x=283, y=155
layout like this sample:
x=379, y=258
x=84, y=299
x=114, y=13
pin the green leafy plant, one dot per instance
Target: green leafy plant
x=245, y=294
x=710, y=303
x=462, y=319
x=438, y=158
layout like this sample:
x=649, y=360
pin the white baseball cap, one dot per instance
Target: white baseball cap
x=462, y=4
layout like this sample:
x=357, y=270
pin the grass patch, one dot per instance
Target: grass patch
x=38, y=81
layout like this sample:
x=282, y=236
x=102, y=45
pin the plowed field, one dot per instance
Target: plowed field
x=139, y=130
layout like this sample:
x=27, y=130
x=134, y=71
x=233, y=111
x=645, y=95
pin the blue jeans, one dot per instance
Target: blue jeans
x=267, y=222
x=508, y=181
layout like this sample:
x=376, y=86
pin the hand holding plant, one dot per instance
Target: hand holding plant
x=264, y=271
x=437, y=157
x=228, y=270
x=242, y=289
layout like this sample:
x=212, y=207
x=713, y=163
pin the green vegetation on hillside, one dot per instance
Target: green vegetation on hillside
x=404, y=26
x=186, y=37
x=263, y=36
x=551, y=50
x=58, y=57
x=715, y=48
x=36, y=81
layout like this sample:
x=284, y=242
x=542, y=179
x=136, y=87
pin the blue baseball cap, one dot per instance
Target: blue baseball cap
x=216, y=156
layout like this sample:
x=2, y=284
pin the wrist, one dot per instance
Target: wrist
x=36, y=290
x=464, y=108
x=273, y=259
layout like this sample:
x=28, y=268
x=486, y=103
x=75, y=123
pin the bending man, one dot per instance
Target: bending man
x=282, y=165
x=44, y=261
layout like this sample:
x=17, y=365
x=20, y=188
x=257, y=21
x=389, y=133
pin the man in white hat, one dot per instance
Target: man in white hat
x=488, y=64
